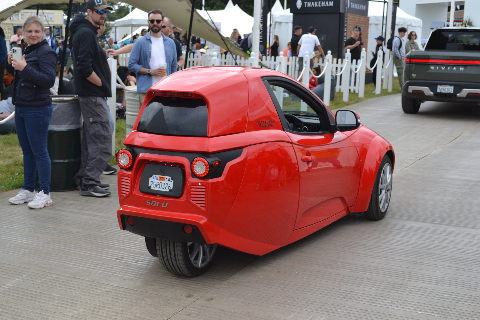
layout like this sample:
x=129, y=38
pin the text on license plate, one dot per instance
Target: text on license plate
x=444, y=89
x=160, y=183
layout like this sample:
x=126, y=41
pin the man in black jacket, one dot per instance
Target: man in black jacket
x=92, y=85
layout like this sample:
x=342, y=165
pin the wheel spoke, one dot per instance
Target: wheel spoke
x=194, y=252
x=200, y=256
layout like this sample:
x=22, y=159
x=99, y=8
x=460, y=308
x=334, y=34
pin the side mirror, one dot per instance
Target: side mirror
x=347, y=120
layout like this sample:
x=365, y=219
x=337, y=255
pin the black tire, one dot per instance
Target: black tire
x=377, y=209
x=151, y=244
x=175, y=257
x=410, y=105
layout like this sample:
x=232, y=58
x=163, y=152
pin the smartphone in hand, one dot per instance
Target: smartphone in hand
x=17, y=53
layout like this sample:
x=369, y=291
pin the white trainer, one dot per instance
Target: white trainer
x=22, y=197
x=41, y=200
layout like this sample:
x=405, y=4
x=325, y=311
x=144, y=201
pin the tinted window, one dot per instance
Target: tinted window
x=175, y=117
x=454, y=40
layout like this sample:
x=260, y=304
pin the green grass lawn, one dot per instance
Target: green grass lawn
x=11, y=163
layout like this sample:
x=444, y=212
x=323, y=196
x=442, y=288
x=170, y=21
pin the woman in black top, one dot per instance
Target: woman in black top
x=274, y=46
x=34, y=75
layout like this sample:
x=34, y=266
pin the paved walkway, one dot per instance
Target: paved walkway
x=71, y=261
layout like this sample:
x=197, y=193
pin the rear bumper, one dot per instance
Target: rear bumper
x=427, y=91
x=167, y=225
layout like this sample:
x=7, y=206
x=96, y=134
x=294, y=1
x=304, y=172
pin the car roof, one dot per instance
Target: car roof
x=202, y=79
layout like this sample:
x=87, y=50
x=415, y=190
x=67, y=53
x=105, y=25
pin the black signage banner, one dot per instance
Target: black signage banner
x=359, y=7
x=316, y=6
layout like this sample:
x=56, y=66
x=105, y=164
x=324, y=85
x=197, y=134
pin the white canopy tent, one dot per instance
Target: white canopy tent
x=132, y=21
x=375, y=28
x=229, y=19
x=282, y=26
x=178, y=11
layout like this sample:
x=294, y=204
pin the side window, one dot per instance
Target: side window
x=302, y=113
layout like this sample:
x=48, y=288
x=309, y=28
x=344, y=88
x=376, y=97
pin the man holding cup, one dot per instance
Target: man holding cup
x=153, y=56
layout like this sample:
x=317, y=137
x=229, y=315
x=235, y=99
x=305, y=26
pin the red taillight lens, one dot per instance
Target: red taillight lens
x=124, y=159
x=187, y=229
x=131, y=221
x=200, y=167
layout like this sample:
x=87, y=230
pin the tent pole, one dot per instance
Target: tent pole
x=383, y=16
x=65, y=44
x=189, y=38
x=38, y=8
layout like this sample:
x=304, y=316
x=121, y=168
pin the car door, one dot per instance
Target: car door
x=328, y=161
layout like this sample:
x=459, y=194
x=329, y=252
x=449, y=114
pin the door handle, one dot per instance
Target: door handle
x=308, y=158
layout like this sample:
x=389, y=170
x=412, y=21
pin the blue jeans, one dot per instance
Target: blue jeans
x=32, y=130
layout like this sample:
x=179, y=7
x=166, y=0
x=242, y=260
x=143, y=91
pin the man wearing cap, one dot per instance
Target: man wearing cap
x=92, y=85
x=153, y=56
x=379, y=46
x=306, y=44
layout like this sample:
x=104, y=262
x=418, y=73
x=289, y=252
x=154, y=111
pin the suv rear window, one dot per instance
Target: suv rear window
x=175, y=117
x=454, y=40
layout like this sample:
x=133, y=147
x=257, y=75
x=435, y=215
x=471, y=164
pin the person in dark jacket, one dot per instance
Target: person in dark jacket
x=34, y=75
x=92, y=87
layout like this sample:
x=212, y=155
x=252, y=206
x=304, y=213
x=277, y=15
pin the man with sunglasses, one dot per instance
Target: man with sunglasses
x=92, y=85
x=167, y=31
x=153, y=56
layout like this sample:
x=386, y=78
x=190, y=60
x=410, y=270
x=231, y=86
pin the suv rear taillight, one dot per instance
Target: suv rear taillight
x=124, y=159
x=200, y=167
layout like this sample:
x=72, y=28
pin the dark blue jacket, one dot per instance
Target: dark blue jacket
x=3, y=50
x=31, y=87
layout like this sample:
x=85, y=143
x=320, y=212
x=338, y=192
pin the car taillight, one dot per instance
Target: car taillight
x=124, y=159
x=200, y=167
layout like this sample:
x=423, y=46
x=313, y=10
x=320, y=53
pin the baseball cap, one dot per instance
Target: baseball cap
x=98, y=5
x=311, y=29
x=380, y=38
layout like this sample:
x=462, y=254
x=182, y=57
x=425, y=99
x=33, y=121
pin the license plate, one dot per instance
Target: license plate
x=444, y=89
x=160, y=183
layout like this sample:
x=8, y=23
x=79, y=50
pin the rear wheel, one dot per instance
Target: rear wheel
x=187, y=259
x=410, y=105
x=382, y=191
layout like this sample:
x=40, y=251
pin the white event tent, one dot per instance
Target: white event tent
x=375, y=28
x=282, y=26
x=232, y=17
x=128, y=24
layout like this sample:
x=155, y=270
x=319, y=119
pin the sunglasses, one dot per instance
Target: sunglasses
x=152, y=21
x=163, y=27
x=101, y=12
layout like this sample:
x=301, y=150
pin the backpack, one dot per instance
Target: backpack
x=244, y=44
x=390, y=43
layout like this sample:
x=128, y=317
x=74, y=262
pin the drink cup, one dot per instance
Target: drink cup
x=163, y=69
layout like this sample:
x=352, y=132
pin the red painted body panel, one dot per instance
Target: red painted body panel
x=371, y=148
x=283, y=186
x=265, y=208
x=333, y=173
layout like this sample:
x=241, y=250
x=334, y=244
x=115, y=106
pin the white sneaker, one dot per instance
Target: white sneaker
x=22, y=197
x=41, y=200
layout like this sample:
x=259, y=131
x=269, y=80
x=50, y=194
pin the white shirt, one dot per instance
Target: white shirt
x=308, y=43
x=157, y=57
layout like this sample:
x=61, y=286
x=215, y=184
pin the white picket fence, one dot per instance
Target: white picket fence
x=331, y=66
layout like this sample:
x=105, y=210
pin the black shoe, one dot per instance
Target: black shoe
x=93, y=191
x=104, y=186
x=109, y=169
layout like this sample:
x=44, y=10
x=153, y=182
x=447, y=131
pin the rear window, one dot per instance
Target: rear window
x=454, y=40
x=175, y=117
